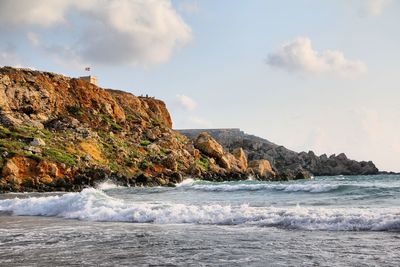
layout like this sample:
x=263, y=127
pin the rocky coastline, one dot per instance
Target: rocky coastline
x=287, y=163
x=63, y=134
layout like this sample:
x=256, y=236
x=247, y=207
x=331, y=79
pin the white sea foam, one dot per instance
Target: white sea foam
x=93, y=204
x=106, y=185
x=250, y=178
x=186, y=182
x=229, y=187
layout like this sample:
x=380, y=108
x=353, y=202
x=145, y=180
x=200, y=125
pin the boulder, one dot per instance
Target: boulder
x=195, y=170
x=152, y=134
x=262, y=169
x=37, y=142
x=170, y=162
x=225, y=162
x=206, y=144
x=10, y=168
x=302, y=175
x=240, y=155
x=154, y=148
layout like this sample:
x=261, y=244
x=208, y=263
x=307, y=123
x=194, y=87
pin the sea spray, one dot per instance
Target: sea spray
x=186, y=182
x=95, y=205
x=107, y=185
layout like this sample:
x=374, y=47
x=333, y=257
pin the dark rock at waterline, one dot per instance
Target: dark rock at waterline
x=288, y=164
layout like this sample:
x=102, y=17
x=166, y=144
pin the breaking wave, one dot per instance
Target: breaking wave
x=95, y=205
x=107, y=185
x=367, y=188
x=226, y=187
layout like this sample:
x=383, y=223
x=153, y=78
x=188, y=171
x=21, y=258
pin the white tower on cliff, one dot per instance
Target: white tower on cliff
x=92, y=79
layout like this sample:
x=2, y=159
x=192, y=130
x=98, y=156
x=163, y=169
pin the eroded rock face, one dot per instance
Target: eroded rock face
x=289, y=164
x=61, y=133
x=223, y=163
x=25, y=174
x=240, y=155
x=206, y=144
x=262, y=169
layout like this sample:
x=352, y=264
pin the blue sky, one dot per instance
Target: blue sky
x=311, y=75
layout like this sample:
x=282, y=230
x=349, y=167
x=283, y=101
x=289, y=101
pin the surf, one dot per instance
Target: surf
x=95, y=205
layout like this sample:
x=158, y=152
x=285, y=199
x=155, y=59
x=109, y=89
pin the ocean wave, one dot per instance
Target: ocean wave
x=230, y=187
x=309, y=187
x=95, y=205
x=107, y=185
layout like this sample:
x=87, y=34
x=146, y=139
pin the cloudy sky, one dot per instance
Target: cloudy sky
x=308, y=74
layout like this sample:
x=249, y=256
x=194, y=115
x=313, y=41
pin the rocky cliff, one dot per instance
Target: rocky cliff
x=287, y=163
x=61, y=133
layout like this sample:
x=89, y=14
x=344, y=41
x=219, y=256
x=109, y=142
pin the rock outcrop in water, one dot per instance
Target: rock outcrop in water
x=61, y=133
x=286, y=163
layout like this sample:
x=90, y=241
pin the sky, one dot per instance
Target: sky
x=307, y=74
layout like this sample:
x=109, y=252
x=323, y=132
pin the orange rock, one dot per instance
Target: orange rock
x=22, y=168
x=206, y=144
x=262, y=168
x=241, y=157
x=92, y=149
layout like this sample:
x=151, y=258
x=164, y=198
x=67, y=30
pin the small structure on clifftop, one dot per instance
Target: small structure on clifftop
x=92, y=79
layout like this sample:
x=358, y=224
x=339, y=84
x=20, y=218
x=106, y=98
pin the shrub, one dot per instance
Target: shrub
x=4, y=132
x=144, y=165
x=204, y=163
x=113, y=166
x=145, y=142
x=111, y=122
x=75, y=110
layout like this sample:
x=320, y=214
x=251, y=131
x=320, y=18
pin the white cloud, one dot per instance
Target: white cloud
x=185, y=102
x=43, y=12
x=132, y=32
x=299, y=55
x=375, y=7
x=183, y=109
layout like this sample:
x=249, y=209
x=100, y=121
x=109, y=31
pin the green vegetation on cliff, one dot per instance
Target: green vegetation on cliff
x=60, y=133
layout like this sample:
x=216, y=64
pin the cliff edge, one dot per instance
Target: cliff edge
x=61, y=133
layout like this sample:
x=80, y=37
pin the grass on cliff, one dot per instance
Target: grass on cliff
x=204, y=163
x=35, y=157
x=11, y=145
x=146, y=165
x=4, y=132
x=2, y=161
x=156, y=122
x=113, y=166
x=111, y=122
x=60, y=156
x=145, y=142
x=11, y=133
x=75, y=110
x=24, y=132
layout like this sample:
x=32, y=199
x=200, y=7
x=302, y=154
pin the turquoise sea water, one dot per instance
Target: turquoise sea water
x=326, y=221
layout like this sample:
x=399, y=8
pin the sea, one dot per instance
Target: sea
x=325, y=221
